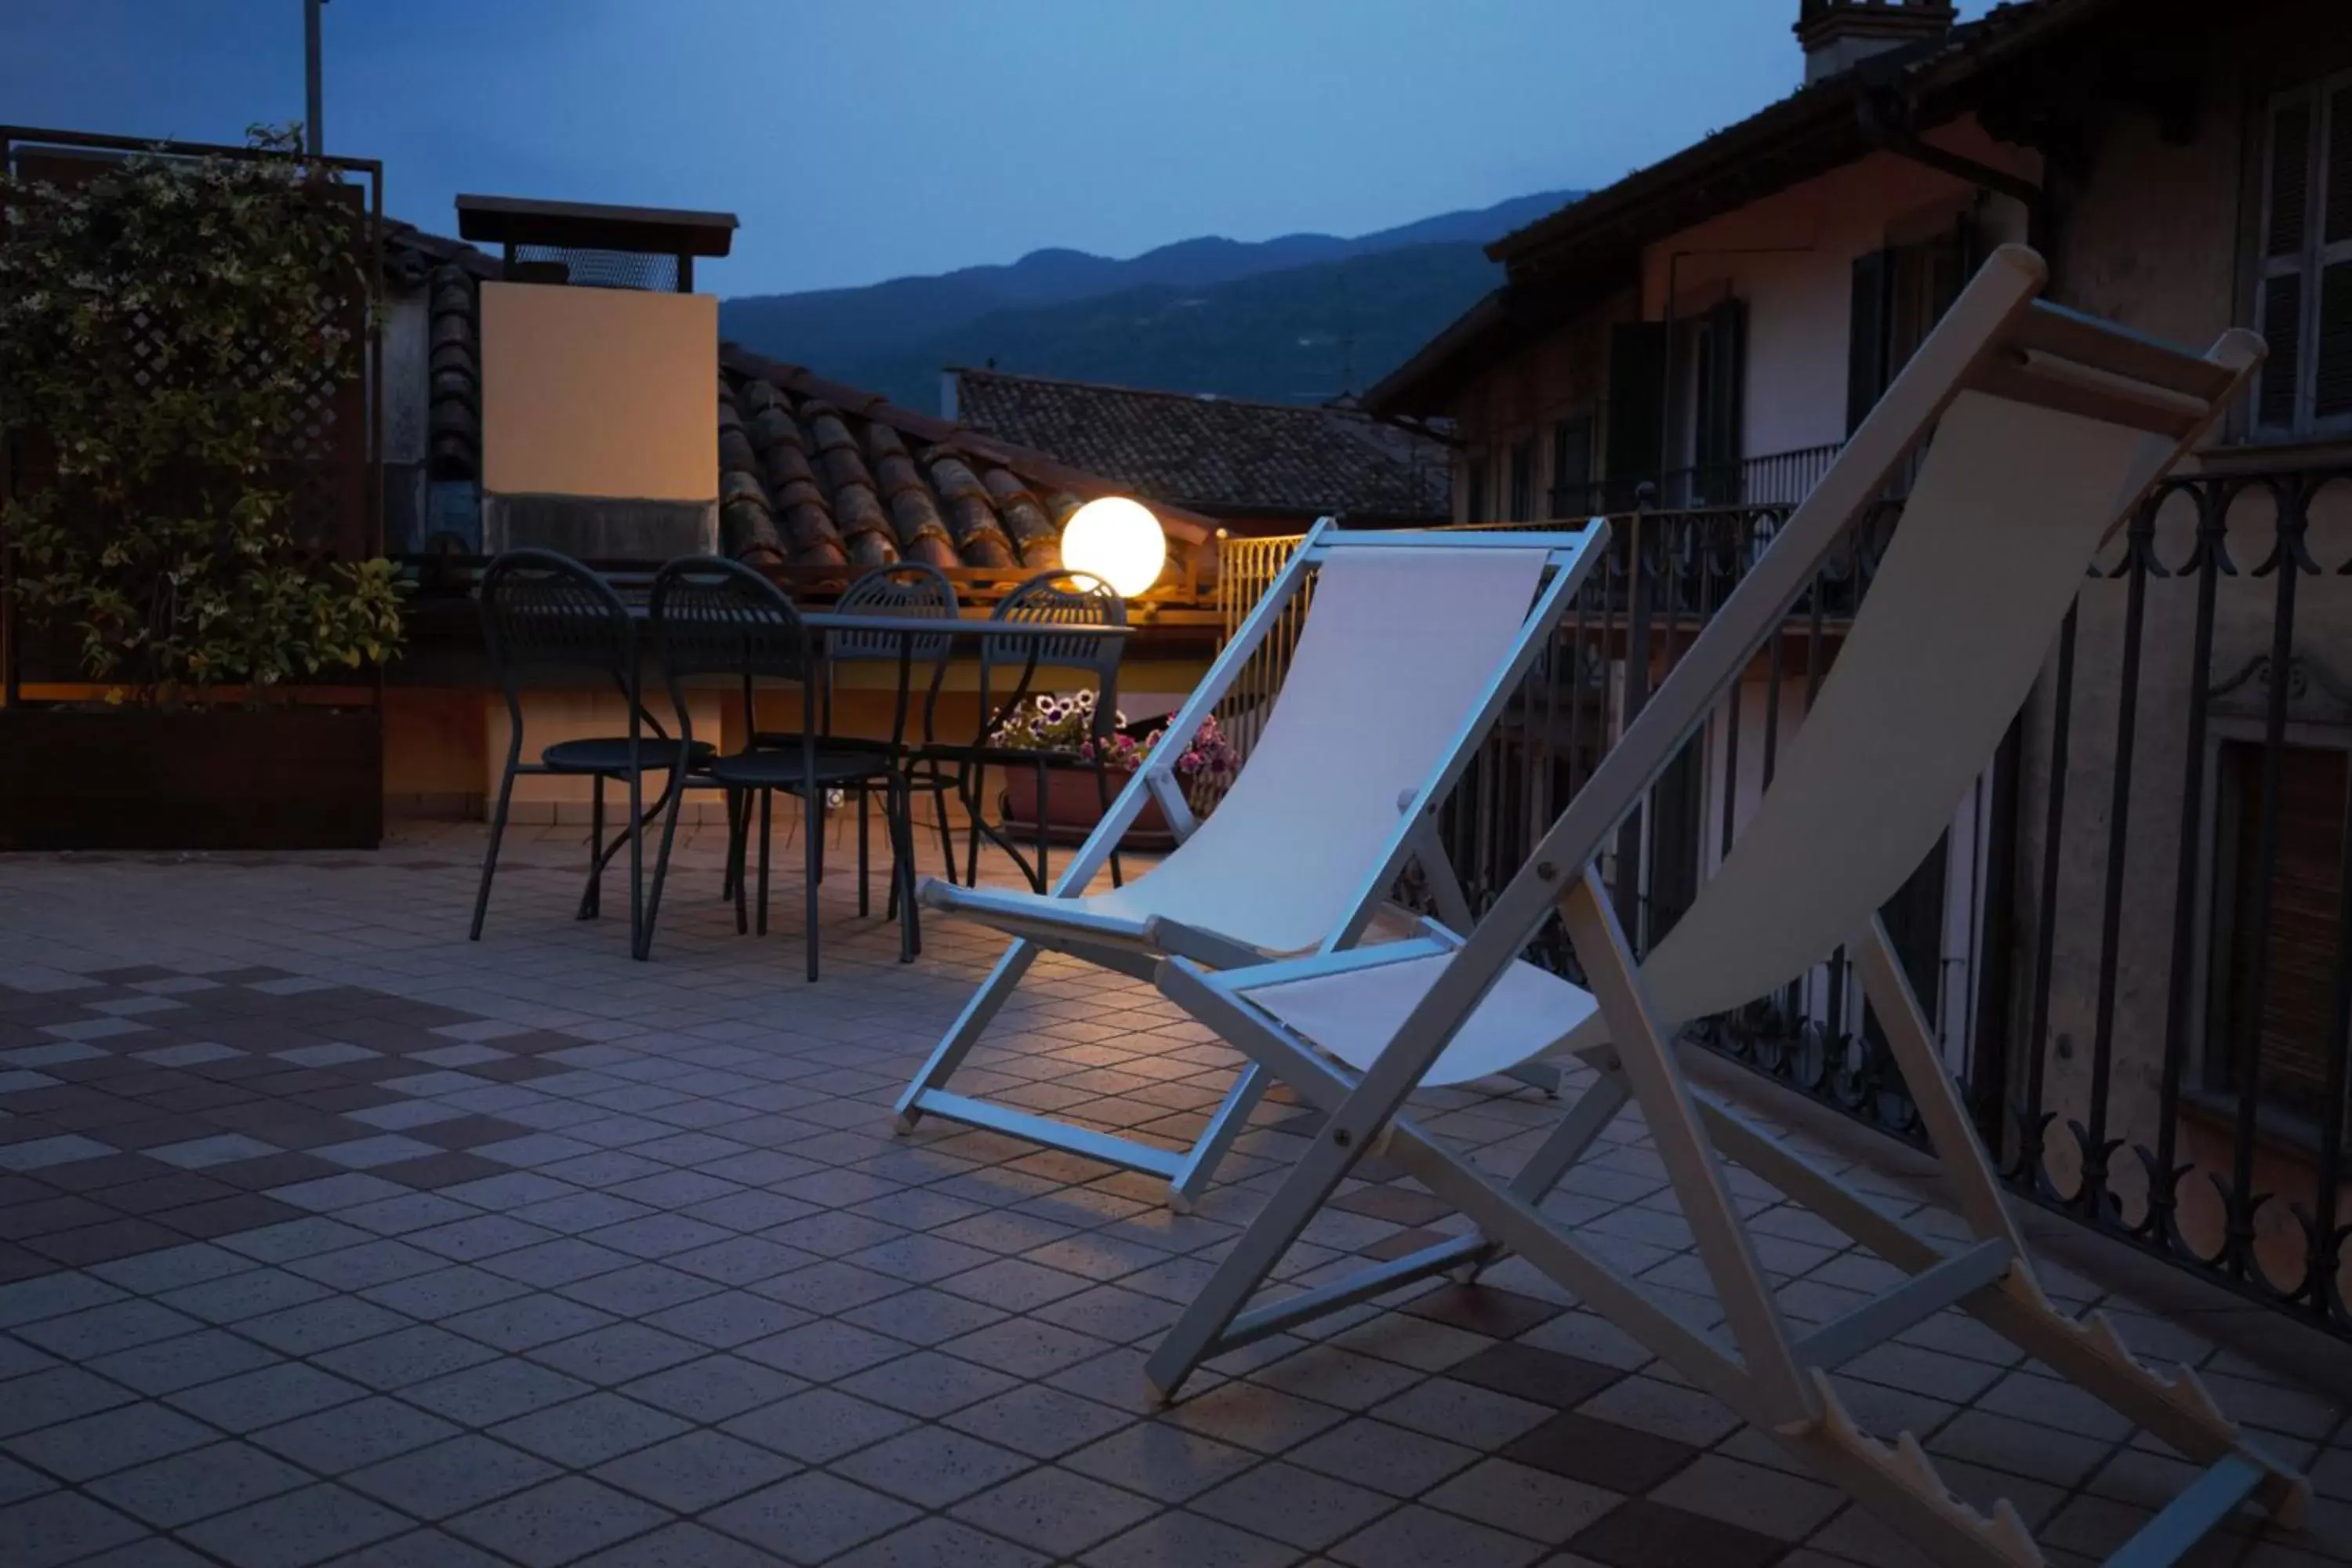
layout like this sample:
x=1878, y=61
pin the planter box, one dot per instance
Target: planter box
x=294, y=778
x=1072, y=808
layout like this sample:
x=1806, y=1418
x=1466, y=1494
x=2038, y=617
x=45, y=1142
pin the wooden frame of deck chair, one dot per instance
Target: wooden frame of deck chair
x=2050, y=428
x=1406, y=658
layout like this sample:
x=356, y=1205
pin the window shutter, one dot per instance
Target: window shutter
x=2281, y=324
x=2331, y=372
x=1866, y=366
x=1473, y=508
x=2332, y=375
x=1637, y=391
x=1572, y=467
x=2337, y=227
x=2284, y=299
x=2290, y=179
x=1523, y=480
x=1723, y=351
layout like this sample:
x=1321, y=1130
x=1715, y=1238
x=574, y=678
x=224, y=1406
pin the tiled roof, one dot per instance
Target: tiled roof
x=812, y=472
x=450, y=269
x=1219, y=455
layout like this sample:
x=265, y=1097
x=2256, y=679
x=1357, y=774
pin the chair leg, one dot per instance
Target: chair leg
x=661, y=870
x=814, y=852
x=1044, y=872
x=591, y=897
x=735, y=806
x=813, y=821
x=639, y=940
x=898, y=816
x=1103, y=793
x=490, y=852
x=947, y=832
x=975, y=786
x=739, y=835
x=864, y=851
x=767, y=803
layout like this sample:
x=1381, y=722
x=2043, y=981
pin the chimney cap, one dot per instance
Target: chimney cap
x=1818, y=21
x=1838, y=34
x=592, y=226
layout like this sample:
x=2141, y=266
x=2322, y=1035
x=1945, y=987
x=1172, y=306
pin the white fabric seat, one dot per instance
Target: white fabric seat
x=1411, y=645
x=1398, y=647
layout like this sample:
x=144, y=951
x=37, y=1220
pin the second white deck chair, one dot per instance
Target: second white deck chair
x=1413, y=643
x=2050, y=428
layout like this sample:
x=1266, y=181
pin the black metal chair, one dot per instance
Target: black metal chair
x=716, y=617
x=1069, y=599
x=548, y=620
x=914, y=590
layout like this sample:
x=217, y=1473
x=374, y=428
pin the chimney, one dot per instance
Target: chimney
x=1838, y=34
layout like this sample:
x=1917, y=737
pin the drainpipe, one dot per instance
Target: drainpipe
x=1886, y=122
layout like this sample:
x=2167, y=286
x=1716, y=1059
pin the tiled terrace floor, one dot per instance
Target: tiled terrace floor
x=328, y=1236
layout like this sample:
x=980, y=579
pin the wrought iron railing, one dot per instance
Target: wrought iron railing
x=2136, y=940
x=1772, y=479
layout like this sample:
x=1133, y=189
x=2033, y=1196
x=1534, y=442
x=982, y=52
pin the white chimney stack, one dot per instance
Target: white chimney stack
x=1838, y=34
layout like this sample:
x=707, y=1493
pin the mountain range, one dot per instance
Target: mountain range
x=1302, y=318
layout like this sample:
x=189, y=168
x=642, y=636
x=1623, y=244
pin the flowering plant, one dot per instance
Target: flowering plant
x=1051, y=722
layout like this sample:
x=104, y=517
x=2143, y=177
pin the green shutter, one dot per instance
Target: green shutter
x=1866, y=335
x=1637, y=393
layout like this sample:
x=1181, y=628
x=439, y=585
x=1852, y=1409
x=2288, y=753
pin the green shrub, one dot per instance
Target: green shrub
x=166, y=329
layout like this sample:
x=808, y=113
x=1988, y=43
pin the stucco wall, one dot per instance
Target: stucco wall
x=598, y=392
x=2154, y=239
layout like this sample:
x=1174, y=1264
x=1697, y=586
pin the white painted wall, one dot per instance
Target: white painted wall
x=1790, y=257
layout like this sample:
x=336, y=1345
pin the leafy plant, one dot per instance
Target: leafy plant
x=170, y=329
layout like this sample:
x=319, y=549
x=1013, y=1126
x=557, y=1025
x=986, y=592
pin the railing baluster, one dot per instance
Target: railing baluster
x=2031, y=1120
x=2286, y=561
x=2211, y=561
x=2140, y=544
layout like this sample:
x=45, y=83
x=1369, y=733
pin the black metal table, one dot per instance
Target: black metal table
x=911, y=632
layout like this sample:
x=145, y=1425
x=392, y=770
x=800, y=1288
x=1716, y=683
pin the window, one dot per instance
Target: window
x=1899, y=295
x=2289, y=925
x=2303, y=292
x=1523, y=482
x=1474, y=489
x=1717, y=382
x=1572, y=467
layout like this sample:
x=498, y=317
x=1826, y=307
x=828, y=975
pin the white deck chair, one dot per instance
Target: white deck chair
x=1414, y=642
x=2049, y=430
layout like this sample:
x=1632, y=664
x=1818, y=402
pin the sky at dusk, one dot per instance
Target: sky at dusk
x=859, y=141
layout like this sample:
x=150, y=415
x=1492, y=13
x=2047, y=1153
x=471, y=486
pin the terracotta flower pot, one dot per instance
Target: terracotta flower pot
x=1072, y=808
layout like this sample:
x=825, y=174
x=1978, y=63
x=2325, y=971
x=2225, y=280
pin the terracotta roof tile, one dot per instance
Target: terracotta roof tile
x=1221, y=455
x=811, y=473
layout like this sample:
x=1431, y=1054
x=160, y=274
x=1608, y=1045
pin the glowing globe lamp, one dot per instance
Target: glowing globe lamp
x=1117, y=540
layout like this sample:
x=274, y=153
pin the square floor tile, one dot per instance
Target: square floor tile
x=932, y=1467
x=1055, y=1511
x=558, y=1522
x=451, y=1476
x=810, y=1517
x=1642, y=1534
x=297, y=1529
x=697, y=1470
x=1293, y=1505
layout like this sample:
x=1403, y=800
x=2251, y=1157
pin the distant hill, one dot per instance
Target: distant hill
x=1301, y=318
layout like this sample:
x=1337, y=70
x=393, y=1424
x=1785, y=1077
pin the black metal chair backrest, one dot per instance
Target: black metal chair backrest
x=714, y=617
x=545, y=615
x=913, y=590
x=1058, y=598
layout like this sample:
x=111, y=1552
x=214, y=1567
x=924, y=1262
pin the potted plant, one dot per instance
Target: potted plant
x=1072, y=803
x=175, y=332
